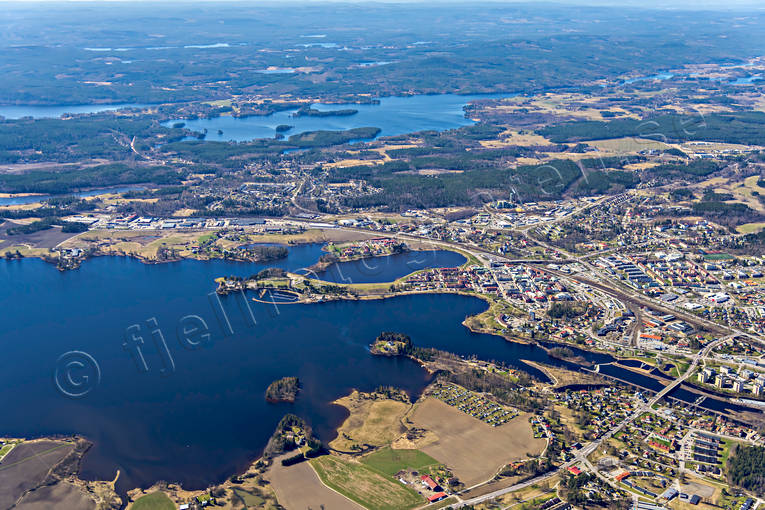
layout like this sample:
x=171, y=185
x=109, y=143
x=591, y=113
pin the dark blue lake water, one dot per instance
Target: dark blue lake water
x=390, y=268
x=394, y=116
x=191, y=409
x=205, y=417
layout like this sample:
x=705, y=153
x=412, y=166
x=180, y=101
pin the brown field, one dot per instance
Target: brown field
x=627, y=145
x=462, y=440
x=510, y=137
x=742, y=191
x=299, y=488
x=146, y=243
x=562, y=377
x=345, y=163
x=313, y=236
x=27, y=465
x=373, y=421
x=43, y=239
x=60, y=495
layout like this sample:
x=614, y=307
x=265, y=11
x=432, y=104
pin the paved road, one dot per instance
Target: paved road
x=581, y=455
x=609, y=288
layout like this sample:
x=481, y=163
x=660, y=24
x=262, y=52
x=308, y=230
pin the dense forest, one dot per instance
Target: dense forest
x=388, y=51
x=739, y=127
x=746, y=468
x=81, y=137
x=403, y=190
x=65, y=181
x=235, y=155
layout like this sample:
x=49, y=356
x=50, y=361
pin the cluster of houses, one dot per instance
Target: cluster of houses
x=606, y=406
x=371, y=248
x=436, y=493
x=475, y=405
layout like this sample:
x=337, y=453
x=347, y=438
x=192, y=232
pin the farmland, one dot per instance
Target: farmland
x=460, y=439
x=313, y=492
x=363, y=485
x=390, y=461
x=373, y=420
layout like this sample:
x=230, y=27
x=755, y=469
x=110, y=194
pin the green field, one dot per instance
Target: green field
x=364, y=486
x=717, y=256
x=5, y=449
x=389, y=461
x=153, y=501
x=248, y=498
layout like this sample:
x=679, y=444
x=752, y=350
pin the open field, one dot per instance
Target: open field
x=43, y=239
x=366, y=487
x=461, y=439
x=749, y=228
x=298, y=487
x=27, y=466
x=153, y=501
x=562, y=377
x=372, y=421
x=746, y=191
x=146, y=243
x=510, y=138
x=390, y=461
x=627, y=145
x=60, y=495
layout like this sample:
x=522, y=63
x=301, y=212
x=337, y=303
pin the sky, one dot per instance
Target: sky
x=671, y=4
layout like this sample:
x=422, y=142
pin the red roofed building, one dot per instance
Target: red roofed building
x=430, y=483
x=622, y=476
x=575, y=470
x=437, y=497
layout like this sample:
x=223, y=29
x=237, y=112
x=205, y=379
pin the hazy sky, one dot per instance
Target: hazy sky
x=615, y=3
x=670, y=4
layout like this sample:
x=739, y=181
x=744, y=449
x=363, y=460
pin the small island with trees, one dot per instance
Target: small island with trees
x=391, y=344
x=283, y=390
x=307, y=111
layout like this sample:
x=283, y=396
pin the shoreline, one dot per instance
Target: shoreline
x=285, y=240
x=385, y=295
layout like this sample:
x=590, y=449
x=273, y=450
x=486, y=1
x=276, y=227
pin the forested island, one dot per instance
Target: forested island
x=283, y=390
x=307, y=111
x=391, y=344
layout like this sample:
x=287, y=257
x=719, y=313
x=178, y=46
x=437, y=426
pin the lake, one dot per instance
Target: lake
x=390, y=268
x=33, y=199
x=55, y=111
x=394, y=116
x=202, y=416
x=158, y=405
